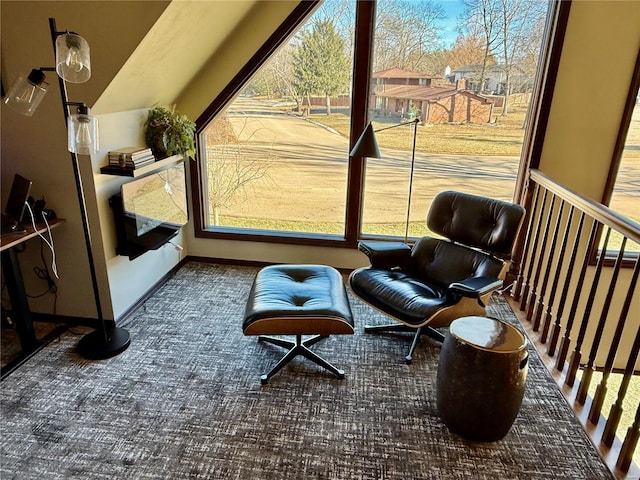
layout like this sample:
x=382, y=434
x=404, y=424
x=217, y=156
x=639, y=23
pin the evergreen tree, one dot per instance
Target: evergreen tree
x=321, y=64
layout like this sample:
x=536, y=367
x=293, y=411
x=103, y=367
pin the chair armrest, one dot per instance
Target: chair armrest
x=386, y=254
x=475, y=287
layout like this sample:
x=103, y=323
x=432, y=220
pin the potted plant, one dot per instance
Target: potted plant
x=168, y=133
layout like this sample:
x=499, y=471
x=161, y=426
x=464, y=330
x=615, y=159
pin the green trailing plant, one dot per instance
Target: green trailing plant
x=168, y=133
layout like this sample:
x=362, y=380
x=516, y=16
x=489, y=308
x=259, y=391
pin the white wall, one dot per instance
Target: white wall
x=128, y=280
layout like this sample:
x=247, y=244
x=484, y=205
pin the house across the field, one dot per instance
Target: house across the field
x=407, y=94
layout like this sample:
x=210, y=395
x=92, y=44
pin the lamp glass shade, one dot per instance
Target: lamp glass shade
x=26, y=93
x=83, y=132
x=367, y=145
x=73, y=62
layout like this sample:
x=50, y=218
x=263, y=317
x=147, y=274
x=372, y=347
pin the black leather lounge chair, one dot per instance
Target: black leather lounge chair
x=440, y=279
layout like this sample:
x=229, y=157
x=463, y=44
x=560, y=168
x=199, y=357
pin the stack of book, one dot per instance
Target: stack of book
x=131, y=157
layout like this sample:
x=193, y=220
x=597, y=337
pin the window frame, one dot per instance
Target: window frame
x=362, y=64
x=629, y=258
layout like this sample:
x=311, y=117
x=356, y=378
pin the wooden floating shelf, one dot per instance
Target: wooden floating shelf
x=137, y=172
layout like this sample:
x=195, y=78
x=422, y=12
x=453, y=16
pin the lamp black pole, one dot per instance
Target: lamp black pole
x=107, y=341
x=413, y=162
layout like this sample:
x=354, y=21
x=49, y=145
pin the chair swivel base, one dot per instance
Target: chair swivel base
x=399, y=327
x=296, y=348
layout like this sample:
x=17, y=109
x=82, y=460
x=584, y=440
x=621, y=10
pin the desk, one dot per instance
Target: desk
x=21, y=314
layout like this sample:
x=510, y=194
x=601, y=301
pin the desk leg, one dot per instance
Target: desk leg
x=19, y=303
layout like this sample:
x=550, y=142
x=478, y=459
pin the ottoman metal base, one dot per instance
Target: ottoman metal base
x=298, y=347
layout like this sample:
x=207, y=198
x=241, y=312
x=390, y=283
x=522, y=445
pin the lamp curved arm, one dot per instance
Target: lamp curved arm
x=415, y=120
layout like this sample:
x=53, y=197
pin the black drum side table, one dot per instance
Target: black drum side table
x=481, y=377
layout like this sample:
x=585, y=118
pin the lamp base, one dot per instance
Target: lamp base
x=95, y=346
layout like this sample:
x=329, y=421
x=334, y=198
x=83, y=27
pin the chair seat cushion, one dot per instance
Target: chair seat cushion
x=399, y=294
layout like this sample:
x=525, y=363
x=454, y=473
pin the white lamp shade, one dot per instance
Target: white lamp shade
x=26, y=93
x=73, y=62
x=83, y=133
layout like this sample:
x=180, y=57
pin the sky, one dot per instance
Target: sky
x=451, y=9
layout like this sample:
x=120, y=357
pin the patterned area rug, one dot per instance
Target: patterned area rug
x=185, y=401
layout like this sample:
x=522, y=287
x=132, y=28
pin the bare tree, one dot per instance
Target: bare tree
x=230, y=167
x=482, y=18
x=467, y=50
x=510, y=30
x=342, y=14
x=521, y=26
x=406, y=33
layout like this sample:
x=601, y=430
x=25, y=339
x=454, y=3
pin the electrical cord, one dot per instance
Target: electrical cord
x=43, y=272
x=49, y=242
x=178, y=248
x=40, y=272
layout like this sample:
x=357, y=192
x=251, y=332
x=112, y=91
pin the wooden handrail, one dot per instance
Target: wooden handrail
x=601, y=213
x=590, y=315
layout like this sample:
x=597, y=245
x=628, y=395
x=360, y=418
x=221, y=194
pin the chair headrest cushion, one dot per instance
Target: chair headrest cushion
x=475, y=221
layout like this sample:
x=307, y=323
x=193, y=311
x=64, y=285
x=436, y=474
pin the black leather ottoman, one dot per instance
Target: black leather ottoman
x=298, y=300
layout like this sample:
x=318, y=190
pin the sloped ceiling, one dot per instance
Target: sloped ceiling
x=113, y=30
x=172, y=52
x=144, y=52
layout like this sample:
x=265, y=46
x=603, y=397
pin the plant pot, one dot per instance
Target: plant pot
x=156, y=141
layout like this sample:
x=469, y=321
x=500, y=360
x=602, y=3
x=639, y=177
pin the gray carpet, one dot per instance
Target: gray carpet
x=185, y=401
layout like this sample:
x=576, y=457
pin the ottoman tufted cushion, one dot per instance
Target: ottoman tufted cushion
x=298, y=300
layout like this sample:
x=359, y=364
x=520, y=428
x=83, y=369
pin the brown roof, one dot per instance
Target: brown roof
x=421, y=92
x=400, y=73
x=416, y=92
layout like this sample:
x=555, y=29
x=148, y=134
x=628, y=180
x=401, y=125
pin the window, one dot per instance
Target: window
x=273, y=153
x=623, y=191
x=271, y=165
x=625, y=198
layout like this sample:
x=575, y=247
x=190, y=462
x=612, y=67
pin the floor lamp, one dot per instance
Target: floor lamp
x=73, y=65
x=367, y=146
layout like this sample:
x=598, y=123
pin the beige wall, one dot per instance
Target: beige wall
x=598, y=56
x=36, y=146
x=232, y=54
x=144, y=53
x=596, y=67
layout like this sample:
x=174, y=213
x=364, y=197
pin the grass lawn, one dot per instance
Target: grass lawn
x=416, y=229
x=502, y=137
x=451, y=151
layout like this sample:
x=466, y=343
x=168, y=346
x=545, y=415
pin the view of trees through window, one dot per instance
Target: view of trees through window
x=277, y=159
x=625, y=193
x=625, y=198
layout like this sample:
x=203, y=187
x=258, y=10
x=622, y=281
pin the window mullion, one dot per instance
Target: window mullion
x=362, y=64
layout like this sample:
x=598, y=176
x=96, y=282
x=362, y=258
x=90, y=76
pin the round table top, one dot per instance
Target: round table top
x=488, y=334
